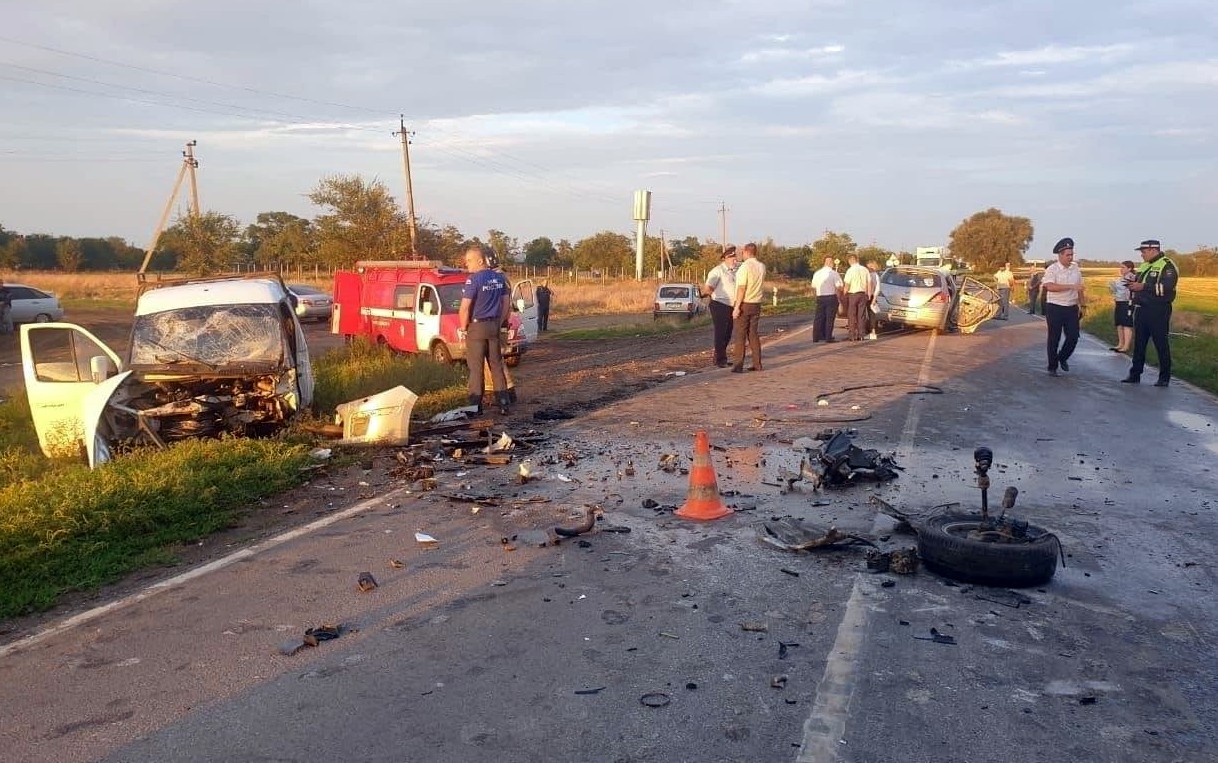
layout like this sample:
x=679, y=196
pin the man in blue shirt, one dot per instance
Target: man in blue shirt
x=484, y=308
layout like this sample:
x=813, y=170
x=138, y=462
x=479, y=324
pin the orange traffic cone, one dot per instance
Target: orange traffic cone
x=702, y=501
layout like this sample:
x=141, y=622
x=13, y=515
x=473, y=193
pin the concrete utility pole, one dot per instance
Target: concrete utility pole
x=723, y=210
x=189, y=163
x=414, y=227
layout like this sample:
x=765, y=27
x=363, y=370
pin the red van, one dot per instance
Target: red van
x=412, y=306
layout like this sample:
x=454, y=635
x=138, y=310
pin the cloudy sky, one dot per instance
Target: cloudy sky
x=891, y=120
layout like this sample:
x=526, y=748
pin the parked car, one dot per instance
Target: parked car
x=207, y=356
x=931, y=298
x=677, y=300
x=32, y=305
x=312, y=304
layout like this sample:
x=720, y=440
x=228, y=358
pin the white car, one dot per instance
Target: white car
x=680, y=300
x=311, y=303
x=32, y=305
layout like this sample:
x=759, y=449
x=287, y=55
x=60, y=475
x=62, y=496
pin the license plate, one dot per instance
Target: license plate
x=674, y=306
x=897, y=312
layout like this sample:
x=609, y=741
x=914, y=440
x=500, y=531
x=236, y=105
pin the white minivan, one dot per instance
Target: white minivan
x=206, y=356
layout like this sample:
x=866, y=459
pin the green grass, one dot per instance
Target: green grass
x=64, y=527
x=97, y=303
x=1194, y=358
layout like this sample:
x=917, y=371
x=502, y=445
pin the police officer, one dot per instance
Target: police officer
x=484, y=308
x=1150, y=297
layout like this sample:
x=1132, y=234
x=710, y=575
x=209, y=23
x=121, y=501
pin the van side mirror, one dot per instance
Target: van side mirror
x=100, y=368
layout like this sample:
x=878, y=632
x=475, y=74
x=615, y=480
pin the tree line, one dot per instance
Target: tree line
x=359, y=219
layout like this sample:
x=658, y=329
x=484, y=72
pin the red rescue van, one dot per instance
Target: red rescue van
x=412, y=306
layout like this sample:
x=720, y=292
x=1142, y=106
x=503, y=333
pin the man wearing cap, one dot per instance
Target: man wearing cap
x=1151, y=295
x=720, y=286
x=1064, y=297
x=826, y=287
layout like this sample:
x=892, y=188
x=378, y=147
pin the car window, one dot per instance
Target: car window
x=23, y=292
x=674, y=292
x=912, y=280
x=305, y=289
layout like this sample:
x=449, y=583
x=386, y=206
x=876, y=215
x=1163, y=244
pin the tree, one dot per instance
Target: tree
x=281, y=238
x=877, y=254
x=539, y=252
x=604, y=251
x=564, y=254
x=443, y=244
x=503, y=245
x=69, y=254
x=204, y=243
x=988, y=239
x=362, y=221
x=839, y=246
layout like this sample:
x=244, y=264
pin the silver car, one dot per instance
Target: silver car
x=312, y=304
x=914, y=296
x=32, y=305
x=680, y=300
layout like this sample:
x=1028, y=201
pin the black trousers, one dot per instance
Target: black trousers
x=856, y=314
x=826, y=314
x=745, y=328
x=543, y=314
x=1151, y=323
x=482, y=346
x=1061, y=319
x=721, y=319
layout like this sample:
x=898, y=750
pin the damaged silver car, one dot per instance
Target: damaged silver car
x=206, y=357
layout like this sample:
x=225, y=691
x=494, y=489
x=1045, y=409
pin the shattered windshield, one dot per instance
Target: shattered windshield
x=209, y=335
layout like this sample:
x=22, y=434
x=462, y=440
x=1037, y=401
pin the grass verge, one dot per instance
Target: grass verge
x=1194, y=358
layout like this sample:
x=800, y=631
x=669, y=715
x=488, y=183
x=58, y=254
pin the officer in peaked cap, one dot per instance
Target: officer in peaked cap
x=1064, y=300
x=1063, y=244
x=1150, y=297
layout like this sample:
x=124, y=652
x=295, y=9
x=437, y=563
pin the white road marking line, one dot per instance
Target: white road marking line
x=825, y=728
x=178, y=580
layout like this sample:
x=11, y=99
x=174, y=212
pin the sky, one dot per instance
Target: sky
x=888, y=120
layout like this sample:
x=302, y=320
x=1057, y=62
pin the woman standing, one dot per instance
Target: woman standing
x=1121, y=315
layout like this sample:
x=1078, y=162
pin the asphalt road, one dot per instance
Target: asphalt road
x=471, y=652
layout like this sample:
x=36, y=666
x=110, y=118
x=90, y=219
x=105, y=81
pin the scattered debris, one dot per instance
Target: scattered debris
x=669, y=635
x=396, y=564
x=670, y=462
x=655, y=699
x=586, y=524
x=785, y=571
x=1005, y=598
x=365, y=582
x=324, y=632
x=691, y=686
x=784, y=646
x=791, y=534
x=904, y=561
x=597, y=690
x=755, y=627
x=383, y=418
x=552, y=414
x=937, y=637
x=840, y=462
x=426, y=540
x=779, y=681
x=1087, y=700
x=321, y=454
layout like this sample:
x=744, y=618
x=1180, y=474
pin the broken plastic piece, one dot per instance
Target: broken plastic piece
x=321, y=454
x=655, y=699
x=426, y=539
x=755, y=627
x=779, y=682
x=586, y=524
x=366, y=582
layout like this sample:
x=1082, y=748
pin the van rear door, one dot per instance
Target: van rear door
x=524, y=302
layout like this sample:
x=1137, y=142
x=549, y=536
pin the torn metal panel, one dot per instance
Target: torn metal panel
x=383, y=418
x=791, y=534
x=976, y=304
x=840, y=462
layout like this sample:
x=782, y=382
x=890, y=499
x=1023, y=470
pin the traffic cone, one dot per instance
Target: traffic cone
x=702, y=501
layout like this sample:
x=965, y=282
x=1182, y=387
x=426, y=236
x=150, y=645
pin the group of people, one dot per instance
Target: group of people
x=1142, y=297
x=851, y=292
x=736, y=287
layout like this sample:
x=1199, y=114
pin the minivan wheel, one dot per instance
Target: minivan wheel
x=42, y=318
x=440, y=353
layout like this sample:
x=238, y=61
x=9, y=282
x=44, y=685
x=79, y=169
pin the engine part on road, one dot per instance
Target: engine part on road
x=840, y=462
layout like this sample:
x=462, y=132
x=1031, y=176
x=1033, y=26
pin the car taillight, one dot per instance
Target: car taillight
x=941, y=297
x=689, y=307
x=657, y=307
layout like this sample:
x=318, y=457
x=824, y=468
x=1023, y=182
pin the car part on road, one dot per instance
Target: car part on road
x=586, y=524
x=655, y=699
x=979, y=548
x=365, y=582
x=840, y=462
x=937, y=637
x=791, y=534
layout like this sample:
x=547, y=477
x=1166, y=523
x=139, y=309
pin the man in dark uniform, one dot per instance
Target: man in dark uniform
x=1150, y=298
x=543, y=306
x=484, y=308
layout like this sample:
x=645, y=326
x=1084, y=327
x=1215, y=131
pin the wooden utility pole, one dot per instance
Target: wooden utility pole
x=189, y=163
x=663, y=255
x=414, y=228
x=723, y=210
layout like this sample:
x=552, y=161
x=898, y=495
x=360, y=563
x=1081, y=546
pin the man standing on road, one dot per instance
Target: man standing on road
x=6, y=309
x=1151, y=295
x=1034, y=290
x=484, y=308
x=1004, y=278
x=746, y=309
x=720, y=286
x=857, y=283
x=826, y=287
x=543, y=305
x=1064, y=298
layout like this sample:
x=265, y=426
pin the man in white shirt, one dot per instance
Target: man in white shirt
x=1064, y=297
x=1004, y=278
x=746, y=309
x=857, y=285
x=826, y=288
x=721, y=288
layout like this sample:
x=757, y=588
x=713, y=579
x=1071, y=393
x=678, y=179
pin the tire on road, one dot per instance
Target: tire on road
x=945, y=548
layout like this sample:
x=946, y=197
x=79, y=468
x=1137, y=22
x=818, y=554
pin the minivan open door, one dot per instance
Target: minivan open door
x=63, y=364
x=524, y=302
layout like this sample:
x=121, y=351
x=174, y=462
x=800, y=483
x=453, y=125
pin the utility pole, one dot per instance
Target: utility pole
x=723, y=210
x=663, y=255
x=414, y=227
x=189, y=163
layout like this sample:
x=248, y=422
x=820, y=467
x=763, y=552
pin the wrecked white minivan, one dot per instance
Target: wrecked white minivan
x=206, y=357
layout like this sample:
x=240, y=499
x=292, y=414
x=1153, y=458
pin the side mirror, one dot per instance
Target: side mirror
x=100, y=368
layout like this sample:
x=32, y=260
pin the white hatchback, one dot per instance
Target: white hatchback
x=32, y=305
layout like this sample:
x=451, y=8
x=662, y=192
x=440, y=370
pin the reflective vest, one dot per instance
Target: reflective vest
x=1151, y=274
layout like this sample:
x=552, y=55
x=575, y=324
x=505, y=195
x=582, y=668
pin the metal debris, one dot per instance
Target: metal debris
x=791, y=534
x=366, y=582
x=840, y=462
x=779, y=681
x=755, y=627
x=937, y=637
x=586, y=524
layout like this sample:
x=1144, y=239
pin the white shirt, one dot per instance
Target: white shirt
x=722, y=283
x=1004, y=278
x=1070, y=275
x=826, y=282
x=857, y=278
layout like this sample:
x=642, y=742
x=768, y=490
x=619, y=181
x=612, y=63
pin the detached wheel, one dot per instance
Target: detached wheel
x=440, y=353
x=946, y=548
